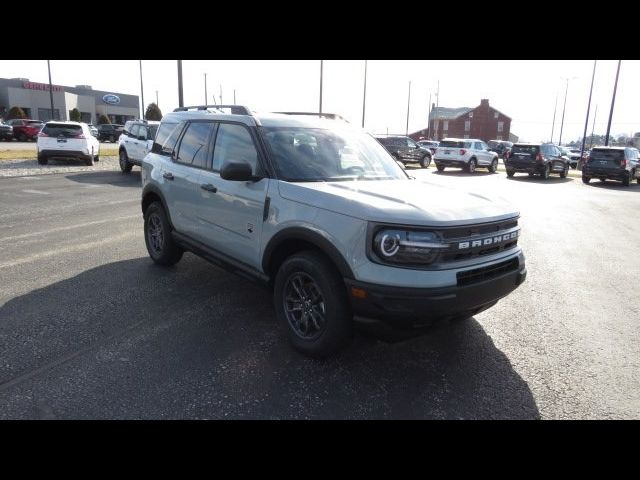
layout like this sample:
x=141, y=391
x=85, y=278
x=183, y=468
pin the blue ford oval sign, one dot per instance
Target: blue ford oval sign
x=111, y=99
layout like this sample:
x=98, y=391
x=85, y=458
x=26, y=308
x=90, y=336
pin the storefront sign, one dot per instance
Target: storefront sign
x=42, y=86
x=111, y=99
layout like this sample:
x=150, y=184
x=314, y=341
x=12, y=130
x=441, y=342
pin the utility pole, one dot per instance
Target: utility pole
x=141, y=90
x=436, y=119
x=157, y=102
x=563, y=110
x=429, y=119
x=593, y=126
x=613, y=101
x=364, y=95
x=180, y=99
x=205, y=89
x=553, y=124
x=321, y=65
x=221, y=94
x=586, y=121
x=50, y=89
x=234, y=96
x=408, y=106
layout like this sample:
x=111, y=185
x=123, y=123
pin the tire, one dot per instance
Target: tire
x=471, y=166
x=327, y=324
x=42, y=160
x=157, y=236
x=626, y=180
x=22, y=137
x=493, y=168
x=425, y=161
x=586, y=179
x=89, y=161
x=510, y=173
x=563, y=174
x=545, y=172
x=123, y=158
x=112, y=139
x=530, y=174
x=96, y=158
x=440, y=167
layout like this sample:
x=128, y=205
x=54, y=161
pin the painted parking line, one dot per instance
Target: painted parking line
x=39, y=192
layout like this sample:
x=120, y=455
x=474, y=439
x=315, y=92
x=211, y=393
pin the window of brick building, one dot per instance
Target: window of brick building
x=500, y=126
x=467, y=126
x=495, y=114
x=445, y=125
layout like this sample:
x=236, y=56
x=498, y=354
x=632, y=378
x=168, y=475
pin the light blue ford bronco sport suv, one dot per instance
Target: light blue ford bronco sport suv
x=317, y=210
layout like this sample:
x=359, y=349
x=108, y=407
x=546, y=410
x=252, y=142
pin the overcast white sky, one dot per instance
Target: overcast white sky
x=525, y=89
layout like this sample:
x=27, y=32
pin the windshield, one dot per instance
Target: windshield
x=320, y=155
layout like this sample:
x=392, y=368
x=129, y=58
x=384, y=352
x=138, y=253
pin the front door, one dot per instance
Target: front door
x=231, y=213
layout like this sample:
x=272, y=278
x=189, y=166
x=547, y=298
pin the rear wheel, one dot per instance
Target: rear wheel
x=626, y=180
x=42, y=160
x=157, y=236
x=510, y=173
x=125, y=166
x=22, y=137
x=586, y=179
x=563, y=174
x=425, y=161
x=440, y=167
x=493, y=168
x=471, y=166
x=545, y=172
x=311, y=303
x=89, y=160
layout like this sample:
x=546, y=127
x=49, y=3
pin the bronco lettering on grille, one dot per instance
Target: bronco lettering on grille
x=507, y=237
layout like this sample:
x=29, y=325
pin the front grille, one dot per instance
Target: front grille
x=481, y=229
x=476, y=275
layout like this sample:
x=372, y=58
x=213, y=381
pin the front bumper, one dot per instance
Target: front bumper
x=407, y=308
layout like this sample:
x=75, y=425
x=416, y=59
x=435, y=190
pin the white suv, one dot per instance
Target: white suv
x=69, y=140
x=465, y=153
x=135, y=142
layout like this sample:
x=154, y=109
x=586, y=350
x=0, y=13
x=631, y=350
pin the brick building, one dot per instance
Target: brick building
x=483, y=122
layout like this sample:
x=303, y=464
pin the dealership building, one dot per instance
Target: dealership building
x=34, y=98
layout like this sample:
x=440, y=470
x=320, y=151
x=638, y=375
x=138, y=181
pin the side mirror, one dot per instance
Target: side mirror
x=236, y=171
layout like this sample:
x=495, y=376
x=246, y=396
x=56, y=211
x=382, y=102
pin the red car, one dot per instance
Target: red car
x=25, y=129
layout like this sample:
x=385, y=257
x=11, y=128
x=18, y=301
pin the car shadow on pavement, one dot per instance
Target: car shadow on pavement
x=552, y=180
x=463, y=173
x=130, y=339
x=613, y=185
x=114, y=177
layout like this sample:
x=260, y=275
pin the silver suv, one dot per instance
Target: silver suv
x=465, y=153
x=321, y=213
x=135, y=142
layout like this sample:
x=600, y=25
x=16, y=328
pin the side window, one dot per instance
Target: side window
x=133, y=132
x=170, y=143
x=194, y=143
x=411, y=143
x=142, y=132
x=233, y=142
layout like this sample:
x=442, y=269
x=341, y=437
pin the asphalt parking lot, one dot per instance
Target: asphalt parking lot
x=91, y=328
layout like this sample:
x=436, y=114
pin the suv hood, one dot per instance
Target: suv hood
x=410, y=202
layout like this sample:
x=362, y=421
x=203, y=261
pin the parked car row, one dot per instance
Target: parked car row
x=22, y=129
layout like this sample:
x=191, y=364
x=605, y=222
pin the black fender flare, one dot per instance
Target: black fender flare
x=314, y=238
x=150, y=188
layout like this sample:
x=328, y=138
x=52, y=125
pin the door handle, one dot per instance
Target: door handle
x=208, y=187
x=168, y=175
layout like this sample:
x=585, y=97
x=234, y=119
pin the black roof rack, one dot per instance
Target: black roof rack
x=235, y=109
x=332, y=116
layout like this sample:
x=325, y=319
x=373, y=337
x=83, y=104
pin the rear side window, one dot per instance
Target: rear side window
x=62, y=130
x=133, y=130
x=167, y=136
x=234, y=143
x=194, y=143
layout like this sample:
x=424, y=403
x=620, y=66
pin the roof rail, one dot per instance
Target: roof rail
x=331, y=116
x=235, y=109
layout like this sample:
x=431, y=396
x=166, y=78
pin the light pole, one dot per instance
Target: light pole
x=593, y=127
x=234, y=96
x=586, y=121
x=205, y=89
x=553, y=123
x=613, y=101
x=408, y=106
x=157, y=102
x=321, y=66
x=180, y=99
x=50, y=89
x=141, y=90
x=364, y=95
x=564, y=108
x=220, y=94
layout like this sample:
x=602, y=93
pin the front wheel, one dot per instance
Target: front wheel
x=311, y=303
x=157, y=236
x=493, y=168
x=510, y=173
x=545, y=172
x=626, y=180
x=42, y=160
x=563, y=174
x=471, y=166
x=425, y=161
x=125, y=166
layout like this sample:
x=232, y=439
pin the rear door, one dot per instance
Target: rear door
x=413, y=153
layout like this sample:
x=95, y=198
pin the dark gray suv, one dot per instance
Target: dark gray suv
x=612, y=163
x=405, y=150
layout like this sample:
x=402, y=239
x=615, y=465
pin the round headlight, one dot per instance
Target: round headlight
x=389, y=244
